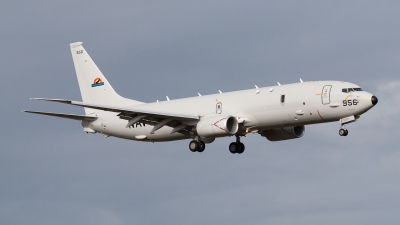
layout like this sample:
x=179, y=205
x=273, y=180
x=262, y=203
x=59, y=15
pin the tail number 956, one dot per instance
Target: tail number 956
x=350, y=102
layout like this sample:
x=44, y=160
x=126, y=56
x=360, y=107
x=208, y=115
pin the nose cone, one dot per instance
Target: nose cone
x=374, y=100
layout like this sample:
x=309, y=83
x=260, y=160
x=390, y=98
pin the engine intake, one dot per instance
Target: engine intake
x=217, y=126
x=285, y=133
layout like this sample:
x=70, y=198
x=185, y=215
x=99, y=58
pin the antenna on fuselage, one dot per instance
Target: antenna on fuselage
x=301, y=81
x=257, y=91
x=199, y=94
x=167, y=98
x=220, y=91
x=279, y=83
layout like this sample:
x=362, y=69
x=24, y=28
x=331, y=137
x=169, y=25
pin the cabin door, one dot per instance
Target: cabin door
x=326, y=94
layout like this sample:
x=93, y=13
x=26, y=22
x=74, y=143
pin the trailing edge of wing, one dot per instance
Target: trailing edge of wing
x=122, y=109
x=62, y=115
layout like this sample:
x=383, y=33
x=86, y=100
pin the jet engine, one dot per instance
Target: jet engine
x=285, y=133
x=217, y=126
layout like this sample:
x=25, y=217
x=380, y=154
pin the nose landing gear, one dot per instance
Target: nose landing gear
x=236, y=147
x=343, y=132
x=350, y=119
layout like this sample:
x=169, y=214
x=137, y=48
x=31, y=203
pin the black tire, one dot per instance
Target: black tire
x=202, y=146
x=241, y=148
x=342, y=132
x=233, y=147
x=194, y=146
x=346, y=132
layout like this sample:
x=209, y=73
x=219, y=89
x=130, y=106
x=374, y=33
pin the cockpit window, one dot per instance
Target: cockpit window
x=348, y=90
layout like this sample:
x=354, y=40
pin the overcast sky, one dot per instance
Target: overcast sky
x=51, y=172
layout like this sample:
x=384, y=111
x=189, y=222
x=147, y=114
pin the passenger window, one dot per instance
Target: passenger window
x=344, y=90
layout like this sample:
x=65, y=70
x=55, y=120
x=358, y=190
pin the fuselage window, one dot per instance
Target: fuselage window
x=357, y=89
x=282, y=98
x=344, y=90
x=219, y=108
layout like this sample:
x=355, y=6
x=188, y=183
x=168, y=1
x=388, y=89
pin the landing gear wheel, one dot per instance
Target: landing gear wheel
x=202, y=146
x=194, y=146
x=343, y=132
x=233, y=147
x=241, y=148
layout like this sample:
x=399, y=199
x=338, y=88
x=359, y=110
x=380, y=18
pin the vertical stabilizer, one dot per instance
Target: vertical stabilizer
x=93, y=85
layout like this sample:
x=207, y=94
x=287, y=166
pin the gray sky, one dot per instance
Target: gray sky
x=51, y=172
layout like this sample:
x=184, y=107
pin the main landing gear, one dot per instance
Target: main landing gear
x=236, y=147
x=197, y=146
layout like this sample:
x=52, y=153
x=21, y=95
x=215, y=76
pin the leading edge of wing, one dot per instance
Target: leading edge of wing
x=63, y=115
x=121, y=109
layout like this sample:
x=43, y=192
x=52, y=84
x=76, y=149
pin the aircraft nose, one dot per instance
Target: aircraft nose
x=374, y=100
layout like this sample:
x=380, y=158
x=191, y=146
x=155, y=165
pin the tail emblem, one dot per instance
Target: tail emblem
x=97, y=82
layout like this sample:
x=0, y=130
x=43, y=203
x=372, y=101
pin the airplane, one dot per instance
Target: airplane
x=277, y=113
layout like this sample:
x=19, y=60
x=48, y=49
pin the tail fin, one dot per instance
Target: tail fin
x=93, y=85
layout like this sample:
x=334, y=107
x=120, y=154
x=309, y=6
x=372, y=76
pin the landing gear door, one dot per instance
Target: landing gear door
x=326, y=94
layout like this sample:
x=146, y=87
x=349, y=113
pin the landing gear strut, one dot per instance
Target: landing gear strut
x=236, y=147
x=197, y=145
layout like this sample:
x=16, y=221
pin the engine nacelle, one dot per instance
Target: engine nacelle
x=217, y=126
x=286, y=133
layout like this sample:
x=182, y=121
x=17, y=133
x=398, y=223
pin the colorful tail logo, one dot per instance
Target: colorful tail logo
x=97, y=82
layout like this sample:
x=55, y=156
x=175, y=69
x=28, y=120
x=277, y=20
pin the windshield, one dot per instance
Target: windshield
x=348, y=90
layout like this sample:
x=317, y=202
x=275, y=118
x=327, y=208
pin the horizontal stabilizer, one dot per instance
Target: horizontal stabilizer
x=66, y=116
x=123, y=109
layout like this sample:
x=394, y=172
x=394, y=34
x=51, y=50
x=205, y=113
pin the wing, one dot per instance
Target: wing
x=62, y=115
x=180, y=122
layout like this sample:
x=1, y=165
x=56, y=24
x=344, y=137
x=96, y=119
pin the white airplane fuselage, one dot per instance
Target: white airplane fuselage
x=260, y=108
